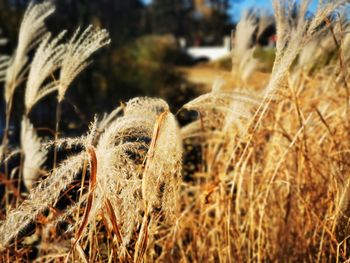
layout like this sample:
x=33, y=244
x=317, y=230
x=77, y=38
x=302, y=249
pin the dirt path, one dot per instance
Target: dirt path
x=206, y=76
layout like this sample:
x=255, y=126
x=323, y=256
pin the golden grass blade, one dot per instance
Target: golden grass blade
x=155, y=135
x=141, y=244
x=162, y=174
x=92, y=185
x=112, y=217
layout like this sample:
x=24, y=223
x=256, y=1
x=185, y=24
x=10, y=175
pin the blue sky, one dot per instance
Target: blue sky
x=237, y=7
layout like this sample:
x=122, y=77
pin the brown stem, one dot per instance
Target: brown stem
x=5, y=141
x=58, y=119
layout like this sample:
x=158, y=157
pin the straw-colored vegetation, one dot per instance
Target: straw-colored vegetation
x=270, y=177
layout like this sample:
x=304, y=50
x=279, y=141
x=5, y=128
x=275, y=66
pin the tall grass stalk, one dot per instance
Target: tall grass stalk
x=268, y=180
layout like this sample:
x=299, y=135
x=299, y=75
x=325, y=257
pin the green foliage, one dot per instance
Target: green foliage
x=148, y=65
x=266, y=56
x=223, y=63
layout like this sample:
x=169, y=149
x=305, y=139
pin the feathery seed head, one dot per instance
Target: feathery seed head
x=217, y=106
x=162, y=174
x=293, y=36
x=34, y=155
x=78, y=53
x=121, y=152
x=46, y=61
x=31, y=33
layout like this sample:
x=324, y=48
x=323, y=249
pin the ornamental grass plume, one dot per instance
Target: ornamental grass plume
x=47, y=60
x=121, y=179
x=33, y=153
x=243, y=62
x=161, y=179
x=31, y=33
x=77, y=56
x=249, y=31
x=39, y=199
x=162, y=174
x=121, y=152
x=268, y=185
x=124, y=187
x=243, y=37
x=217, y=106
x=293, y=35
x=223, y=123
x=48, y=192
x=265, y=20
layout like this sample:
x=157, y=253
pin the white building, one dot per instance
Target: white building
x=208, y=53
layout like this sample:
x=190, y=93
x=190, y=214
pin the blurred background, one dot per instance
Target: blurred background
x=166, y=48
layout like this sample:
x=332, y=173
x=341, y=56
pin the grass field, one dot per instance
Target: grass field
x=258, y=170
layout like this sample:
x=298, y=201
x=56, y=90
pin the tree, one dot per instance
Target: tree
x=170, y=16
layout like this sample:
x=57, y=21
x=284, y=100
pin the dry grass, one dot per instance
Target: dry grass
x=271, y=182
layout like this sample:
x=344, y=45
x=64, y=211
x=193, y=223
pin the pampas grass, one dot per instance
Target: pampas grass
x=46, y=61
x=76, y=58
x=293, y=36
x=34, y=155
x=243, y=62
x=78, y=53
x=39, y=199
x=270, y=182
x=32, y=30
x=121, y=155
x=162, y=175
